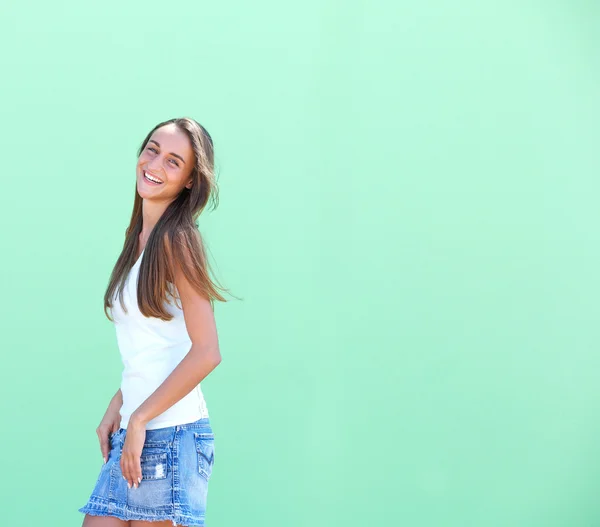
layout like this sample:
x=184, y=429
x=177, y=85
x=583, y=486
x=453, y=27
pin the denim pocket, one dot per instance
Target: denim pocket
x=154, y=460
x=205, y=448
x=154, y=466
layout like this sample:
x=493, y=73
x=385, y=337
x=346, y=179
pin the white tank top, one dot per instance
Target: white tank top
x=150, y=349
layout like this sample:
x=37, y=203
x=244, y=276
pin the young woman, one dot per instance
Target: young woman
x=155, y=437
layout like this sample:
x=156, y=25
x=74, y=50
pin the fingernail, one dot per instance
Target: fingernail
x=135, y=486
x=124, y=478
x=128, y=485
x=139, y=480
x=105, y=461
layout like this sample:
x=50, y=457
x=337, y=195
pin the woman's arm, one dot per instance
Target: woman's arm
x=117, y=399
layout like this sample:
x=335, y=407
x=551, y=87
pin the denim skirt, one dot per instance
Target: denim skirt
x=176, y=462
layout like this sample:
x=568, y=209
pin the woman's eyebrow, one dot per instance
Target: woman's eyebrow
x=171, y=153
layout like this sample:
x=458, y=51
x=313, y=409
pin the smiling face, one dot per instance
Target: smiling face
x=165, y=166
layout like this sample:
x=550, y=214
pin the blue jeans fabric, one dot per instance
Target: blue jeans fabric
x=177, y=463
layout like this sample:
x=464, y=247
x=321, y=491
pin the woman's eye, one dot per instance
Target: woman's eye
x=156, y=151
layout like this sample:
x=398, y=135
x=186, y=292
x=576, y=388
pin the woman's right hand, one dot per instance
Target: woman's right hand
x=111, y=422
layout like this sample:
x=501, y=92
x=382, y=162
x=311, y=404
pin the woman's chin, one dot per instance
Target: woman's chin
x=145, y=191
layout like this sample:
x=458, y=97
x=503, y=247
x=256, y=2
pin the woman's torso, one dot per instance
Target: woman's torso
x=150, y=350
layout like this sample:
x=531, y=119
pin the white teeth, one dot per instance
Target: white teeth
x=151, y=178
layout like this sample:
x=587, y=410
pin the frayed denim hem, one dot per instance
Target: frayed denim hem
x=100, y=507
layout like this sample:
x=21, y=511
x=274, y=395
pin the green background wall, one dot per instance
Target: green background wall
x=409, y=208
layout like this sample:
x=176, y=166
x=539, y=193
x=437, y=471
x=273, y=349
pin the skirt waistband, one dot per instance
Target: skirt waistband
x=200, y=424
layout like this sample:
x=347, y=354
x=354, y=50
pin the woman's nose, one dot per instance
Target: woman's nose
x=155, y=164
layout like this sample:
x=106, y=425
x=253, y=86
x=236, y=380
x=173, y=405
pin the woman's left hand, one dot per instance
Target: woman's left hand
x=131, y=453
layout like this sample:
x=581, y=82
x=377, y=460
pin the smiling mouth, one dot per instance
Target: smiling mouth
x=151, y=179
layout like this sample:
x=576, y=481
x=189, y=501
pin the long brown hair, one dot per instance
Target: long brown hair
x=175, y=237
